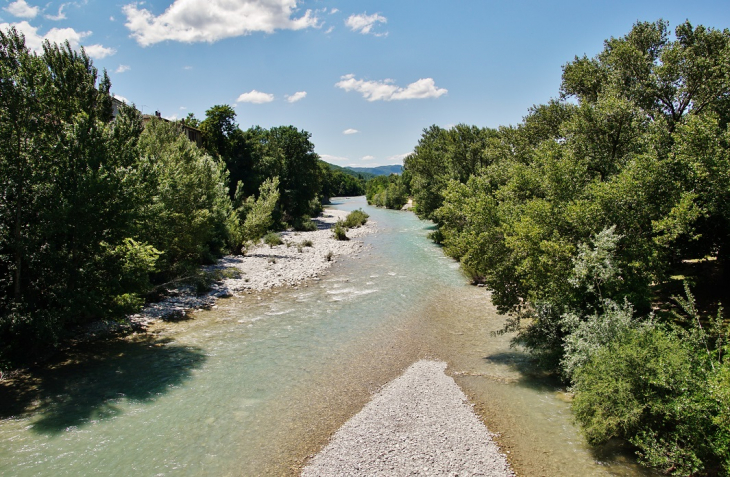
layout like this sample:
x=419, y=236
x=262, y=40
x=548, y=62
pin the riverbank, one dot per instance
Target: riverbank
x=302, y=256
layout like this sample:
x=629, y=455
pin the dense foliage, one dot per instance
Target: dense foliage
x=574, y=217
x=96, y=210
x=337, y=183
x=391, y=191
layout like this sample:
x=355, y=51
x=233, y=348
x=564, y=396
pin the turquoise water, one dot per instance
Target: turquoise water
x=257, y=384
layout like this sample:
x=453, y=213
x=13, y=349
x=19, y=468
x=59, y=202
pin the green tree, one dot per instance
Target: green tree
x=260, y=212
x=187, y=208
x=68, y=208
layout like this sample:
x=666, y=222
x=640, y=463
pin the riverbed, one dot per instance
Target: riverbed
x=258, y=385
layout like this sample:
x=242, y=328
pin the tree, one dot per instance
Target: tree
x=223, y=139
x=68, y=208
x=187, y=204
x=287, y=153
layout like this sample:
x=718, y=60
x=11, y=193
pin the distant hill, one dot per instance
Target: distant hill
x=351, y=172
x=379, y=171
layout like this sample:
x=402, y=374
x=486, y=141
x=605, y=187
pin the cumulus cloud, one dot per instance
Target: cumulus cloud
x=368, y=158
x=255, y=97
x=299, y=95
x=98, y=51
x=21, y=9
x=387, y=91
x=191, y=21
x=365, y=23
x=123, y=68
x=350, y=131
x=59, y=16
x=34, y=40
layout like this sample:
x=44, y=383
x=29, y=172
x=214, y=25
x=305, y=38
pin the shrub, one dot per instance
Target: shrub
x=304, y=224
x=355, y=218
x=587, y=336
x=328, y=257
x=307, y=243
x=272, y=239
x=339, y=231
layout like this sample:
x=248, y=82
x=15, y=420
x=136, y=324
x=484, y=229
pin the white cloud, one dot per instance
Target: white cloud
x=364, y=23
x=334, y=10
x=123, y=68
x=299, y=95
x=34, y=41
x=191, y=21
x=350, y=131
x=98, y=51
x=187, y=68
x=255, y=97
x=386, y=91
x=368, y=158
x=329, y=30
x=21, y=9
x=171, y=118
x=59, y=16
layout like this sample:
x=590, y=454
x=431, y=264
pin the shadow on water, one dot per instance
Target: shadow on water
x=531, y=375
x=89, y=383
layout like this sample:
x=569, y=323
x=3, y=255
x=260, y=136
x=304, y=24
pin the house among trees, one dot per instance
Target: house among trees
x=193, y=134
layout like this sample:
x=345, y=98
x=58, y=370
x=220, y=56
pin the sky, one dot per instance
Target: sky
x=364, y=78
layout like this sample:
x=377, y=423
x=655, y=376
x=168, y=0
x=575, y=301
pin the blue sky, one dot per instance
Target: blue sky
x=363, y=77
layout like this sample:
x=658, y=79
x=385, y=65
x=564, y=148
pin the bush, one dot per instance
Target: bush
x=272, y=239
x=339, y=231
x=650, y=387
x=355, y=218
x=307, y=243
x=304, y=224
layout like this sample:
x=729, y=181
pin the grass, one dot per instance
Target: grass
x=272, y=239
x=339, y=231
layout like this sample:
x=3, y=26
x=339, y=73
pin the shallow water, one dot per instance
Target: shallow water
x=257, y=384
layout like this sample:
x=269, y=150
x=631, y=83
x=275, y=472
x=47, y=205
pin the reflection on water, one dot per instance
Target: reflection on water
x=260, y=382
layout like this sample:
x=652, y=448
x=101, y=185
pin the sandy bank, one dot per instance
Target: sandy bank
x=419, y=424
x=265, y=267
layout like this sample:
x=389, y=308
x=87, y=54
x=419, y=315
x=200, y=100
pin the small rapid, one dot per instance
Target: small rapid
x=258, y=383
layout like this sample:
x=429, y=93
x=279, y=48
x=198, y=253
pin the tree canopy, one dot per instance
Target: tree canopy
x=576, y=218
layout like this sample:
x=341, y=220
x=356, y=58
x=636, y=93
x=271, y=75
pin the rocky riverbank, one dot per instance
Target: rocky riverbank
x=302, y=256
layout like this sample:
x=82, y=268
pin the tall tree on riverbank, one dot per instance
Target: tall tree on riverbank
x=68, y=206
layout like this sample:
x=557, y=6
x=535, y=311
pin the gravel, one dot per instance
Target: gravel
x=264, y=267
x=419, y=424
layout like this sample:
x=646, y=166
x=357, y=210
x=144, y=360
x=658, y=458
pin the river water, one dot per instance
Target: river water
x=259, y=383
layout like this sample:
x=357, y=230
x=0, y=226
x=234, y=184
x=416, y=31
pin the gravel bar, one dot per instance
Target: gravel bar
x=419, y=424
x=264, y=267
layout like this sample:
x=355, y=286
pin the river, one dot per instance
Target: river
x=257, y=384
